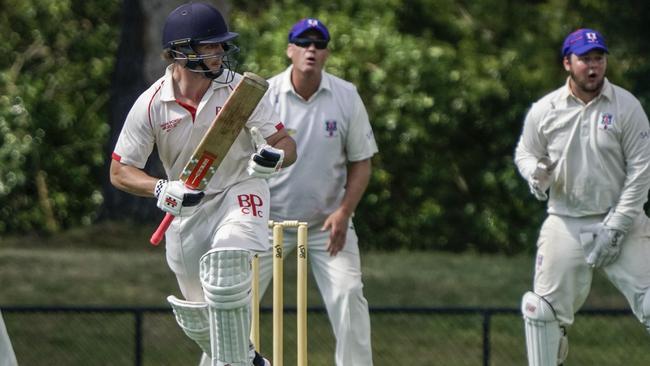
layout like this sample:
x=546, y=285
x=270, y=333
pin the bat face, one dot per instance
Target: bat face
x=224, y=130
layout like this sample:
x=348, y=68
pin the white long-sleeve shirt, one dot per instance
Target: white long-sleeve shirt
x=603, y=152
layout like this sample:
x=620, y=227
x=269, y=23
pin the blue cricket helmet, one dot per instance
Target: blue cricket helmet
x=198, y=22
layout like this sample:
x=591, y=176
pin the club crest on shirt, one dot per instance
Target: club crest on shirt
x=606, y=121
x=330, y=128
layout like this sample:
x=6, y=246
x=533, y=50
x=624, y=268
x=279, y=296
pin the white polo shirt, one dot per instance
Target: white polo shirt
x=331, y=129
x=604, y=152
x=157, y=118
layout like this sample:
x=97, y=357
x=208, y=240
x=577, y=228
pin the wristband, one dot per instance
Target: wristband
x=159, y=186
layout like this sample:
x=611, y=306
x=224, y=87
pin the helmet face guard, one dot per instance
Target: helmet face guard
x=184, y=53
x=194, y=24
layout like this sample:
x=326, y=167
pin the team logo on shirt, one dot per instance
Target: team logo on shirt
x=169, y=125
x=606, y=121
x=250, y=204
x=330, y=128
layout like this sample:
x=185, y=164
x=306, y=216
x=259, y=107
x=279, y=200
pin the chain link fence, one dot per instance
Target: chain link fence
x=401, y=336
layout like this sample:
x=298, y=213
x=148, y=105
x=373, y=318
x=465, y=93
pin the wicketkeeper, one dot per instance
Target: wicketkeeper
x=585, y=148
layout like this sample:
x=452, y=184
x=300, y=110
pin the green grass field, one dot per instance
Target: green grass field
x=113, y=264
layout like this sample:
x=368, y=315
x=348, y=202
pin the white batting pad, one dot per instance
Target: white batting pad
x=226, y=278
x=193, y=318
x=546, y=342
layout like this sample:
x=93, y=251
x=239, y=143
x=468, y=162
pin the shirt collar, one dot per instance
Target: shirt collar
x=220, y=82
x=607, y=91
x=167, y=94
x=286, y=86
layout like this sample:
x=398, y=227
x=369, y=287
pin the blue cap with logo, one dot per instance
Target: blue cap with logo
x=306, y=24
x=582, y=41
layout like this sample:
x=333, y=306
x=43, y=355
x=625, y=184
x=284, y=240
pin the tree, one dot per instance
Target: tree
x=53, y=77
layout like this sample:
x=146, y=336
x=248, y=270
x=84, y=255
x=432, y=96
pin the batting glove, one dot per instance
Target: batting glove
x=267, y=160
x=176, y=199
x=540, y=180
x=602, y=245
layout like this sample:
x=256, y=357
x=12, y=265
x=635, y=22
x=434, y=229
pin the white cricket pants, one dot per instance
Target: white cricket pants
x=7, y=356
x=563, y=277
x=237, y=217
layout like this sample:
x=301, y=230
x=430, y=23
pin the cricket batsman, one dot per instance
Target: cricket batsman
x=210, y=242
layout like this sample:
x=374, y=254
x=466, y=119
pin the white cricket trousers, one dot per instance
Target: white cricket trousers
x=563, y=277
x=237, y=217
x=7, y=357
x=339, y=280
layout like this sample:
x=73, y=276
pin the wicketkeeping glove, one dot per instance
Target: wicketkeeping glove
x=602, y=245
x=540, y=180
x=176, y=199
x=267, y=160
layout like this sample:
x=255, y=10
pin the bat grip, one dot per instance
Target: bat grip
x=162, y=228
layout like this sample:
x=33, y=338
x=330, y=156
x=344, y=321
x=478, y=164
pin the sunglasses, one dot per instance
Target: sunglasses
x=320, y=44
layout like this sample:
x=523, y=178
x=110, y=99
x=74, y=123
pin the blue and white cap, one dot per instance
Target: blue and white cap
x=306, y=24
x=582, y=41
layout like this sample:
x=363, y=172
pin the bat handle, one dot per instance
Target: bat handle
x=162, y=228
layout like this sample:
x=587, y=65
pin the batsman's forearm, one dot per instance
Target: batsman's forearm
x=288, y=145
x=282, y=140
x=132, y=180
x=357, y=182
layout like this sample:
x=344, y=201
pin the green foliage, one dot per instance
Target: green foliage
x=446, y=84
x=54, y=80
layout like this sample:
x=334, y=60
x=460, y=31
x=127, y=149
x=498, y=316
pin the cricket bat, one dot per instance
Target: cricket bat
x=217, y=140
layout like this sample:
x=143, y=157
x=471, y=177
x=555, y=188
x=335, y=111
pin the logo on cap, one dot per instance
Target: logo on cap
x=306, y=24
x=591, y=37
x=582, y=41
